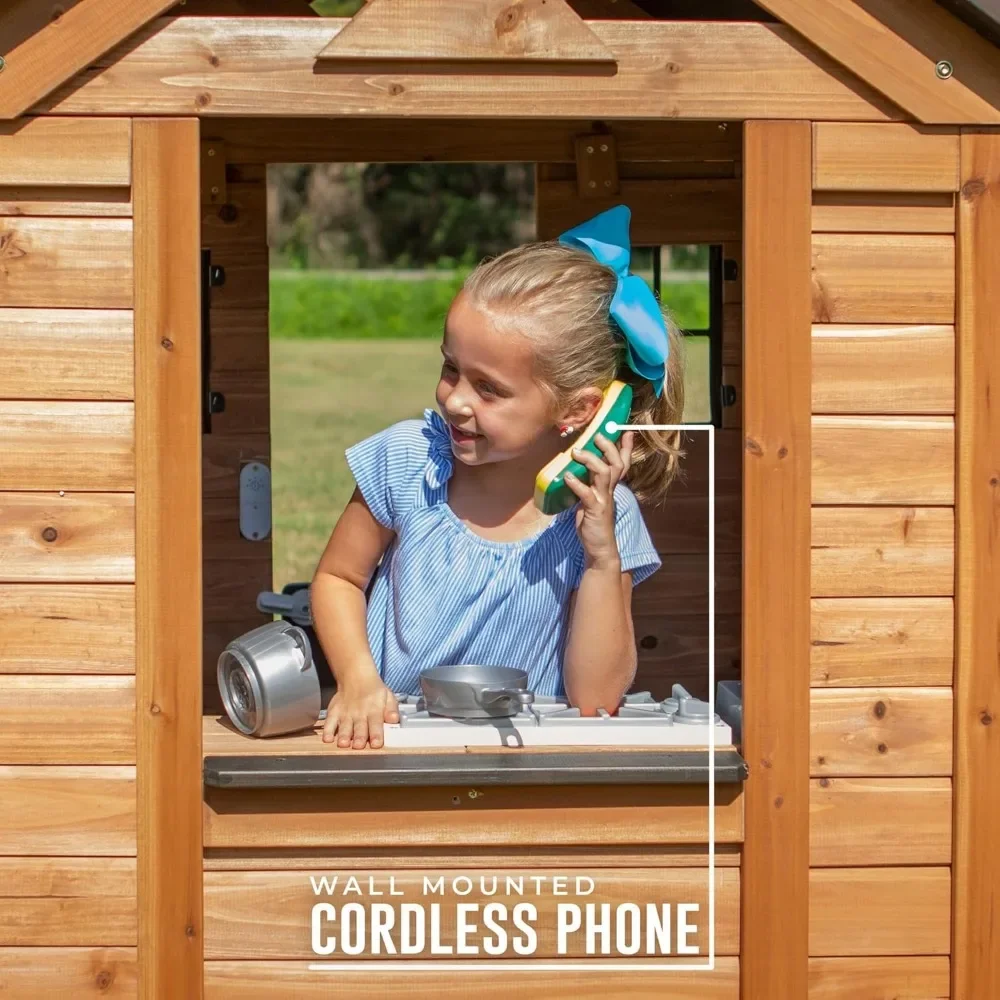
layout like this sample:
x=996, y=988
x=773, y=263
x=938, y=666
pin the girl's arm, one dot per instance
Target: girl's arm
x=600, y=660
x=339, y=610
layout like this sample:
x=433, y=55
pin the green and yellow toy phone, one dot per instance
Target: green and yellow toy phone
x=551, y=492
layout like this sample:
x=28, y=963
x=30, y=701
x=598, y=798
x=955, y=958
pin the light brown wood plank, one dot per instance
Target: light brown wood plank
x=112, y=203
x=79, y=537
x=861, y=212
x=776, y=476
x=879, y=911
x=663, y=211
x=514, y=816
x=860, y=156
x=883, y=552
x=66, y=354
x=858, y=821
x=66, y=152
x=879, y=369
x=82, y=32
x=917, y=977
x=67, y=446
x=875, y=641
x=50, y=810
x=883, y=278
x=723, y=72
x=977, y=596
x=891, y=46
x=266, y=914
x=222, y=458
x=568, y=858
x=67, y=720
x=76, y=263
x=488, y=33
x=67, y=628
x=518, y=140
x=67, y=901
x=167, y=195
x=69, y=972
x=916, y=460
x=881, y=731
x=267, y=980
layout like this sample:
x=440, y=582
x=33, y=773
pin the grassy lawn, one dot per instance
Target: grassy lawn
x=350, y=356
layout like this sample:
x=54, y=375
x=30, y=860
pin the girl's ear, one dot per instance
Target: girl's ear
x=583, y=409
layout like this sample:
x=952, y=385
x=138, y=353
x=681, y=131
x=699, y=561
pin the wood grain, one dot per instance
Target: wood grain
x=78, y=538
x=67, y=720
x=73, y=263
x=857, y=821
x=69, y=972
x=716, y=72
x=512, y=816
x=917, y=977
x=63, y=810
x=883, y=278
x=861, y=212
x=976, y=945
x=663, y=211
x=266, y=980
x=82, y=32
x=883, y=369
x=528, y=31
x=67, y=628
x=776, y=476
x=916, y=460
x=67, y=901
x=883, y=552
x=889, y=45
x=879, y=911
x=266, y=914
x=67, y=446
x=66, y=152
x=112, y=203
x=168, y=562
x=860, y=156
x=66, y=354
x=881, y=731
x=875, y=641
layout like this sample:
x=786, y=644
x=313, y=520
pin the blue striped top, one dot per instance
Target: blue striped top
x=444, y=594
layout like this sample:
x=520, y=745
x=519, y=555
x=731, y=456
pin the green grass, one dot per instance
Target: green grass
x=317, y=305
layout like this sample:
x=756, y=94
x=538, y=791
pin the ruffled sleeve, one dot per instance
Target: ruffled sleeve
x=395, y=467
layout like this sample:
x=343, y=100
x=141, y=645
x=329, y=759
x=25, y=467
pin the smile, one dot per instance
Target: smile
x=461, y=436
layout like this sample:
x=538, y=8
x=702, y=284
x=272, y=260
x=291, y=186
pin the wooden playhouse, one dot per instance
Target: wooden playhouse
x=844, y=158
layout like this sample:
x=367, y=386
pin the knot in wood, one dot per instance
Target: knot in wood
x=50, y=534
x=882, y=748
x=395, y=89
x=985, y=717
x=154, y=709
x=879, y=710
x=189, y=930
x=103, y=979
x=672, y=68
x=824, y=782
x=648, y=642
x=229, y=213
x=508, y=19
x=752, y=447
x=167, y=344
x=782, y=451
x=974, y=188
x=203, y=100
x=779, y=802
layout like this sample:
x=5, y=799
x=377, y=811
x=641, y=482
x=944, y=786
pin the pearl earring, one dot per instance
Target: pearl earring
x=566, y=430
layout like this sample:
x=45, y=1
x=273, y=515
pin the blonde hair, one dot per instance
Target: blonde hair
x=559, y=297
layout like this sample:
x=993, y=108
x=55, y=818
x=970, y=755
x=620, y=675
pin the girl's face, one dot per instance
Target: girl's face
x=487, y=391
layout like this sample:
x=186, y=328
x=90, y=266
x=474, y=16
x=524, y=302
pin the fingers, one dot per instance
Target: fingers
x=585, y=493
x=600, y=471
x=360, y=734
x=345, y=731
x=391, y=711
x=627, y=444
x=613, y=455
x=375, y=730
x=330, y=726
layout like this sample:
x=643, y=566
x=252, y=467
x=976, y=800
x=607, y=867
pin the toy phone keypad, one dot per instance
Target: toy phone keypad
x=551, y=492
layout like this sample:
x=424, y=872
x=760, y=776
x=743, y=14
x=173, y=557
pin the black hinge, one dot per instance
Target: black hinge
x=212, y=276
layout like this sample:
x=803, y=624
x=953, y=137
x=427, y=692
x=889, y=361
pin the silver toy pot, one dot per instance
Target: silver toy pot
x=473, y=691
x=268, y=681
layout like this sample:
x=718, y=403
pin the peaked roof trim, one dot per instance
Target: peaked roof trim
x=897, y=53
x=60, y=50
x=506, y=31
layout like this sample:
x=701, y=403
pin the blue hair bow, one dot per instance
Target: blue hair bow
x=634, y=307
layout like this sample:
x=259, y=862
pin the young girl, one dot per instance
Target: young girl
x=471, y=571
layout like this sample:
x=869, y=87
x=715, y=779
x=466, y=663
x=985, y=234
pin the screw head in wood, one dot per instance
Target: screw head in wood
x=944, y=69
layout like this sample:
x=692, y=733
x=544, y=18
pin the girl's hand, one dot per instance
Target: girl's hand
x=356, y=714
x=595, y=518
